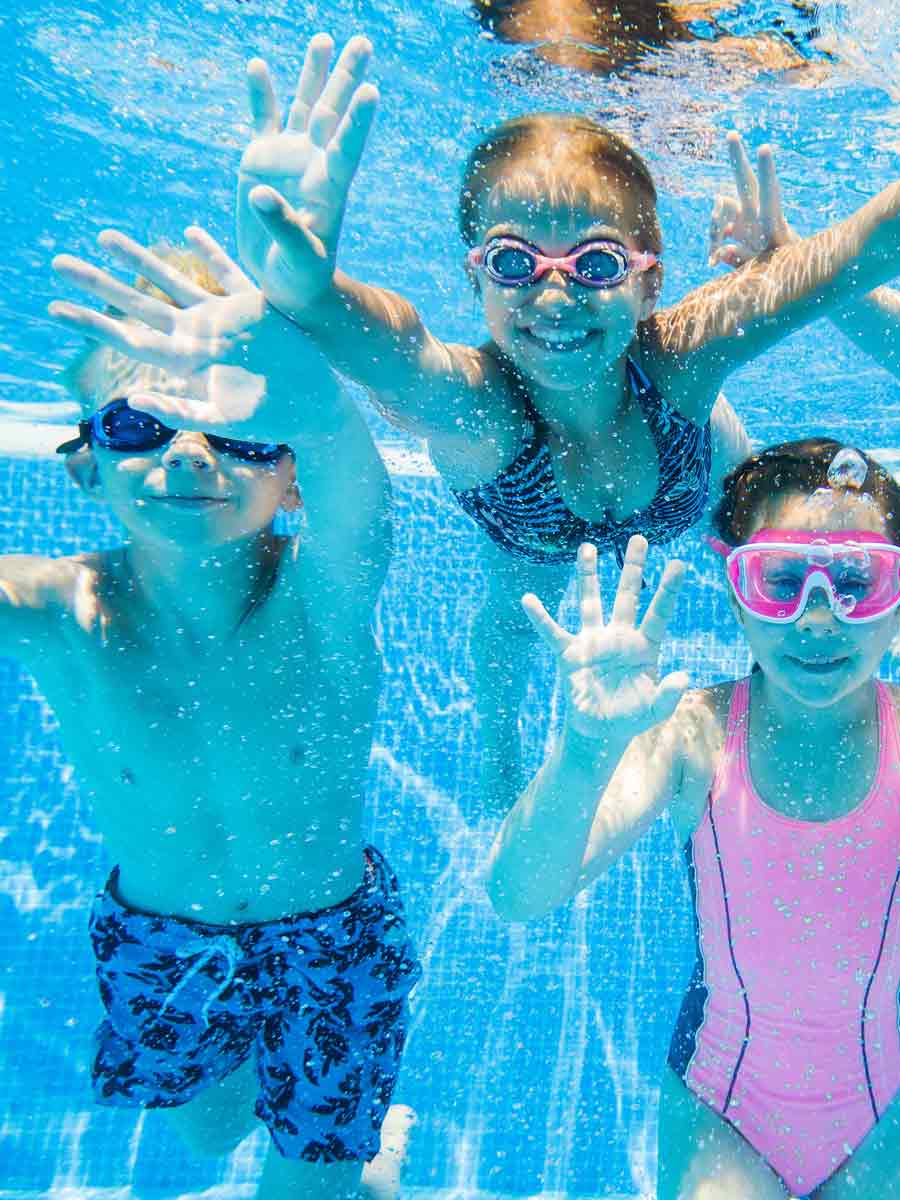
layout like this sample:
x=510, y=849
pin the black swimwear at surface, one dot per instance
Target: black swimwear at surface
x=523, y=512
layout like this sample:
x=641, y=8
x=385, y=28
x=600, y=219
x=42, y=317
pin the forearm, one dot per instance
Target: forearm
x=734, y=318
x=373, y=336
x=536, y=860
x=873, y=324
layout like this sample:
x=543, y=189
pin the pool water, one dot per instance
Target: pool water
x=534, y=1051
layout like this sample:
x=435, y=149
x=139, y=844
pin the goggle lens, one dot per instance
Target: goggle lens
x=600, y=266
x=120, y=427
x=512, y=264
x=862, y=582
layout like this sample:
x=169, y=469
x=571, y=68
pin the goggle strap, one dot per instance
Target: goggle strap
x=83, y=439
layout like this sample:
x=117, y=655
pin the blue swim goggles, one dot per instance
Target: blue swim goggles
x=127, y=430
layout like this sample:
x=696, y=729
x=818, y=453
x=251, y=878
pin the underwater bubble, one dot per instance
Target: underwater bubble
x=848, y=469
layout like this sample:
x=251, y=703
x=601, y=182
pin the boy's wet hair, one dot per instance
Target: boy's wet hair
x=792, y=468
x=564, y=159
x=98, y=370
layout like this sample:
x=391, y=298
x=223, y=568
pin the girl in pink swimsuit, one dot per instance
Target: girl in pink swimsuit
x=783, y=1077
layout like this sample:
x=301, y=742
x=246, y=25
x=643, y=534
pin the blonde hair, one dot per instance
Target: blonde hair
x=562, y=158
x=98, y=371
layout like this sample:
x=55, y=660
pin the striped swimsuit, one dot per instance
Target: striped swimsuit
x=523, y=512
x=789, y=1028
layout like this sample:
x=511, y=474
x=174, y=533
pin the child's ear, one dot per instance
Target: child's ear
x=292, y=500
x=81, y=468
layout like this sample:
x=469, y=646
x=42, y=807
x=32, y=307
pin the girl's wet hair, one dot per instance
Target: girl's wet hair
x=563, y=159
x=791, y=468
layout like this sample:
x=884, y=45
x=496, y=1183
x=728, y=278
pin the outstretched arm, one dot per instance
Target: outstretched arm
x=753, y=223
x=733, y=319
x=615, y=764
x=293, y=185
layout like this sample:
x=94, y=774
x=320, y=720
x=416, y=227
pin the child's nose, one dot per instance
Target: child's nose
x=188, y=450
x=554, y=291
x=817, y=614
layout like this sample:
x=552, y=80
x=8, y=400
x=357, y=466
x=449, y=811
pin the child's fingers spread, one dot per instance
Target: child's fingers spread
x=223, y=267
x=262, y=98
x=188, y=413
x=128, y=339
x=138, y=258
x=349, y=72
x=590, y=602
x=346, y=147
x=661, y=607
x=629, y=590
x=550, y=633
x=282, y=223
x=743, y=171
x=312, y=80
x=111, y=291
x=770, y=210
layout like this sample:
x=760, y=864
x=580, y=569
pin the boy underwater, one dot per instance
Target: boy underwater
x=216, y=686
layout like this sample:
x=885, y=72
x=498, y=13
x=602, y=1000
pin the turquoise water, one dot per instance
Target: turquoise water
x=534, y=1053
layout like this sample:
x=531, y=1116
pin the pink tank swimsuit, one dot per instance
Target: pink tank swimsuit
x=789, y=1028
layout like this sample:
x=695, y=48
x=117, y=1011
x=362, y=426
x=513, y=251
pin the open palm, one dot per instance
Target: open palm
x=295, y=175
x=213, y=352
x=608, y=669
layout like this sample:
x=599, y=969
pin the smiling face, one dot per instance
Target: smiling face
x=187, y=492
x=556, y=331
x=818, y=660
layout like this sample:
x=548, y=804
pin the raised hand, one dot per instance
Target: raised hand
x=743, y=226
x=608, y=669
x=216, y=353
x=67, y=583
x=295, y=175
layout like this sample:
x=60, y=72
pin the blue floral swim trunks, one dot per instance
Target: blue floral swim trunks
x=318, y=998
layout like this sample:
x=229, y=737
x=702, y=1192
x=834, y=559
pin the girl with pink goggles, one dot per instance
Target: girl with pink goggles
x=773, y=575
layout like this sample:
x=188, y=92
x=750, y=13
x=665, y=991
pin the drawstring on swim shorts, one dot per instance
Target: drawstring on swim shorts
x=206, y=949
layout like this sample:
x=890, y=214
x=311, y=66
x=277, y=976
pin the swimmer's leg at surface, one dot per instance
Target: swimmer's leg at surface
x=504, y=648
x=287, y=1179
x=701, y=1157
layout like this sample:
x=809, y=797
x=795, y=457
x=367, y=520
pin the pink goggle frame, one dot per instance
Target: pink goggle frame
x=773, y=575
x=623, y=259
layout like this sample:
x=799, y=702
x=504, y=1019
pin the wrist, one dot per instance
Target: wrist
x=583, y=752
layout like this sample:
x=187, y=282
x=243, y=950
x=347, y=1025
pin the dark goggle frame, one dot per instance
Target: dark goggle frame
x=147, y=433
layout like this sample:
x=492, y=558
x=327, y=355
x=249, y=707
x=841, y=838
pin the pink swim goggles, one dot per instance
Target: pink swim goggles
x=773, y=575
x=513, y=262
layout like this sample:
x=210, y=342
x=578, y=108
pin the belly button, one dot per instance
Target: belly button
x=126, y=776
x=296, y=755
x=242, y=907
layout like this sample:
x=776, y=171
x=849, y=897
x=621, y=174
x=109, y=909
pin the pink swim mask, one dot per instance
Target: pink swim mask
x=773, y=575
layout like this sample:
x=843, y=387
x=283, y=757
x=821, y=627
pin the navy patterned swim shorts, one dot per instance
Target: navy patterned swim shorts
x=318, y=998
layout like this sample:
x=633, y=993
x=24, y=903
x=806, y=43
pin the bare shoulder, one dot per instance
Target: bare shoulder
x=667, y=360
x=701, y=720
x=488, y=427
